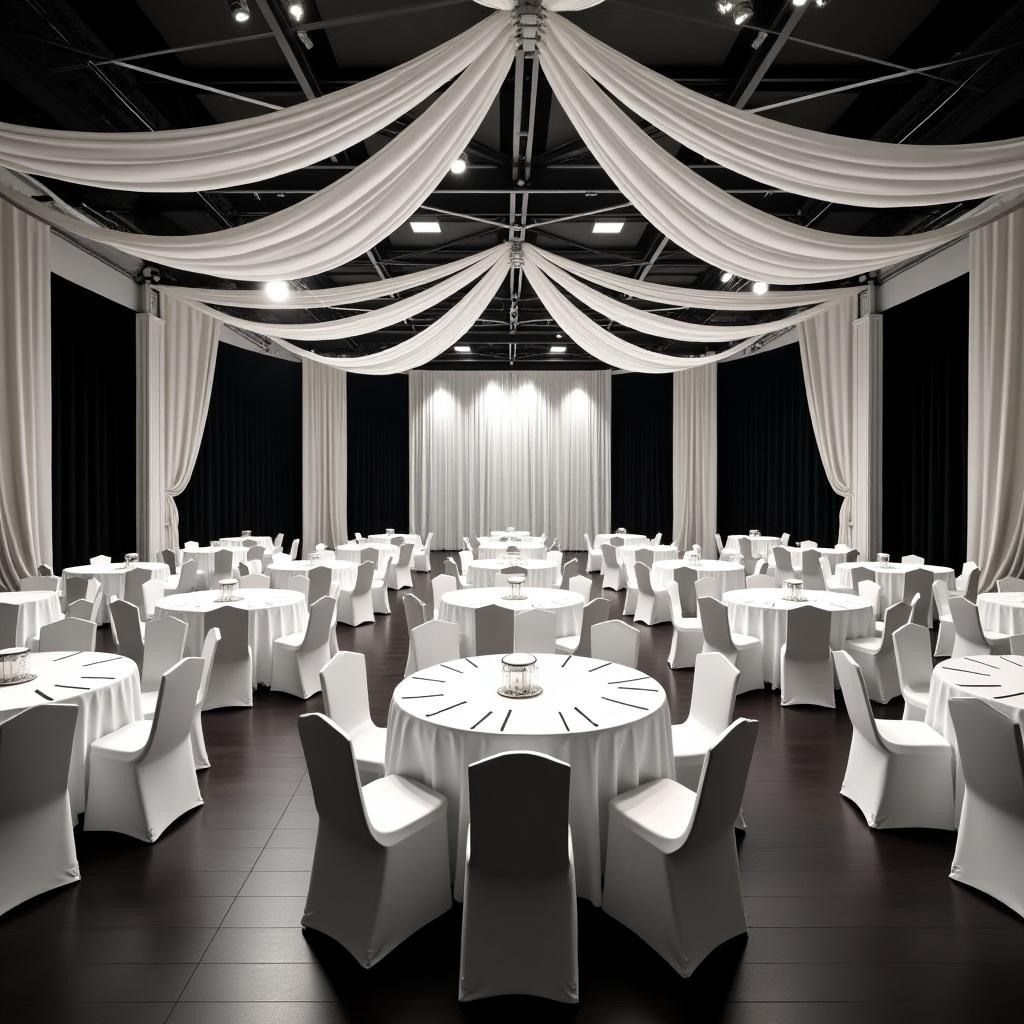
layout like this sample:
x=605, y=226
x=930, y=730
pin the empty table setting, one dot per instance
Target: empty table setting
x=1002, y=613
x=835, y=556
x=529, y=547
x=760, y=545
x=517, y=534
x=629, y=540
x=395, y=538
x=204, y=556
x=343, y=573
x=659, y=552
x=488, y=572
x=263, y=540
x=36, y=608
x=355, y=552
x=111, y=577
x=727, y=575
x=889, y=576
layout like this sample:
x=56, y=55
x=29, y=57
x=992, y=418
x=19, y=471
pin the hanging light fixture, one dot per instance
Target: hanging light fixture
x=276, y=291
x=742, y=11
x=459, y=164
x=239, y=10
x=296, y=10
x=759, y=288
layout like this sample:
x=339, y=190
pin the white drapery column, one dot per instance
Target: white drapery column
x=866, y=502
x=149, y=433
x=26, y=475
x=995, y=415
x=324, y=456
x=695, y=457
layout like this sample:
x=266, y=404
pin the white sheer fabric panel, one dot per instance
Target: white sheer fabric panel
x=695, y=458
x=530, y=450
x=995, y=412
x=324, y=456
x=26, y=489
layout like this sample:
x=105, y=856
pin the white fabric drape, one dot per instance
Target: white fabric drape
x=995, y=412
x=324, y=456
x=26, y=495
x=190, y=355
x=857, y=172
x=866, y=503
x=550, y=5
x=695, y=458
x=529, y=450
x=253, y=149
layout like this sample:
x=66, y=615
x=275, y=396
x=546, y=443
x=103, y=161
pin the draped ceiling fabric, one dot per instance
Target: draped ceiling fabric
x=695, y=459
x=324, y=457
x=995, y=413
x=530, y=450
x=26, y=501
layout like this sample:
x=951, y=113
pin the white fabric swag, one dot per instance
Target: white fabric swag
x=26, y=495
x=995, y=412
x=253, y=149
x=529, y=450
x=324, y=456
x=695, y=459
x=548, y=5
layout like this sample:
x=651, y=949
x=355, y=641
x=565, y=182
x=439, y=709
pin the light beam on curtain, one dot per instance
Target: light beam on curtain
x=324, y=456
x=695, y=459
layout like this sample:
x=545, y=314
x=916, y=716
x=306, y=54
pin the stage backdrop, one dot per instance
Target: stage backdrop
x=490, y=450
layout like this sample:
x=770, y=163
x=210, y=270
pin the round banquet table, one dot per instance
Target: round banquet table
x=37, y=608
x=612, y=725
x=264, y=542
x=760, y=546
x=343, y=574
x=764, y=614
x=1002, y=613
x=487, y=572
x=111, y=578
x=834, y=557
x=727, y=575
x=890, y=577
x=459, y=606
x=532, y=548
x=104, y=686
x=203, y=557
x=518, y=534
x=660, y=552
x=629, y=540
x=353, y=552
x=272, y=613
x=401, y=538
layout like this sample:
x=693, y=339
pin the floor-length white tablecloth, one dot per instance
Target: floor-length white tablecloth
x=760, y=546
x=401, y=538
x=727, y=575
x=203, y=557
x=36, y=608
x=263, y=541
x=611, y=725
x=765, y=613
x=104, y=686
x=834, y=557
x=111, y=579
x=659, y=553
x=487, y=572
x=272, y=613
x=343, y=573
x=531, y=548
x=353, y=552
x=459, y=606
x=629, y=540
x=890, y=577
x=518, y=534
x=1002, y=613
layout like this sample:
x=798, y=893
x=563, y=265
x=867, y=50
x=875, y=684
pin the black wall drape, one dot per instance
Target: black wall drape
x=641, y=458
x=378, y=453
x=93, y=380
x=924, y=425
x=248, y=475
x=770, y=475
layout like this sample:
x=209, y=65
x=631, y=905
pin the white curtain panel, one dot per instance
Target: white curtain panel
x=253, y=149
x=190, y=356
x=695, y=459
x=868, y=361
x=529, y=450
x=995, y=412
x=857, y=172
x=26, y=495
x=324, y=456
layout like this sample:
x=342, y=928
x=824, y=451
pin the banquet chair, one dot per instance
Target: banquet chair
x=299, y=657
x=832, y=583
x=870, y=591
x=495, y=629
x=806, y=658
x=319, y=581
x=810, y=570
x=946, y=633
x=742, y=650
x=918, y=582
x=806, y=545
x=293, y=551
x=421, y=556
x=970, y=637
x=44, y=569
x=514, y=570
x=223, y=563
x=398, y=574
x=347, y=704
x=617, y=541
x=100, y=560
x=465, y=557
x=582, y=585
x=967, y=581
x=260, y=581
x=163, y=646
x=37, y=845
x=861, y=574
x=760, y=568
x=40, y=583
x=359, y=537
x=852, y=555
x=441, y=584
x=534, y=632
x=784, y=540
x=187, y=577
x=632, y=590
x=652, y=605
x=379, y=600
x=593, y=555
x=133, y=582
x=87, y=608
x=126, y=625
x=553, y=556
x=152, y=592
x=569, y=570
x=278, y=540
x=593, y=612
x=899, y=774
x=784, y=569
x=451, y=569
x=257, y=553
x=248, y=542
x=141, y=776
x=355, y=606
x=644, y=555
x=519, y=930
x=719, y=545
x=656, y=539
x=415, y=615
x=1010, y=585
x=913, y=646
x=761, y=583
x=300, y=584
x=672, y=873
x=990, y=839
x=434, y=642
x=875, y=657
x=77, y=588
x=687, y=636
x=243, y=569
x=68, y=634
x=231, y=678
x=615, y=641
x=912, y=560
x=746, y=556
x=9, y=614
x=380, y=866
x=611, y=572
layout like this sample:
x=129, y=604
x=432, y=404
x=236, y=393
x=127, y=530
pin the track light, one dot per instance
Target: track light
x=799, y=3
x=276, y=291
x=726, y=276
x=559, y=336
x=759, y=288
x=821, y=3
x=239, y=10
x=723, y=6
x=742, y=10
x=459, y=164
x=296, y=10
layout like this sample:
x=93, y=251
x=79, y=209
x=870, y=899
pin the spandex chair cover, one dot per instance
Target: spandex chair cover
x=347, y=704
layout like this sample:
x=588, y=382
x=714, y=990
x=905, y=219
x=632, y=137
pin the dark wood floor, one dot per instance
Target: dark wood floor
x=846, y=925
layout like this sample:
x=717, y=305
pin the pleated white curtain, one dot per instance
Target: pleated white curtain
x=26, y=494
x=695, y=458
x=995, y=412
x=324, y=456
x=529, y=450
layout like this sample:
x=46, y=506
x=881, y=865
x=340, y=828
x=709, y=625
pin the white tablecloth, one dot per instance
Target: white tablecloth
x=660, y=552
x=459, y=606
x=531, y=548
x=760, y=546
x=383, y=538
x=203, y=557
x=353, y=552
x=272, y=613
x=106, y=692
x=111, y=579
x=486, y=572
x=38, y=608
x=890, y=577
x=834, y=557
x=764, y=614
x=521, y=534
x=611, y=725
x=630, y=540
x=727, y=575
x=263, y=541
x=1002, y=613
x=343, y=574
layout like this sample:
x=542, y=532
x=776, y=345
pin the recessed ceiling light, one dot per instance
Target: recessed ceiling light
x=726, y=277
x=608, y=227
x=799, y=3
x=559, y=336
x=425, y=227
x=239, y=10
x=557, y=350
x=463, y=348
x=276, y=290
x=759, y=288
x=459, y=164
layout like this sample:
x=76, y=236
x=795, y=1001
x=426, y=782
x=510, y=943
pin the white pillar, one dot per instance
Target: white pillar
x=867, y=435
x=149, y=455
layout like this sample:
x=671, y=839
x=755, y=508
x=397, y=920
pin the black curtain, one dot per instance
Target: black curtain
x=248, y=475
x=924, y=425
x=378, y=453
x=641, y=466
x=92, y=376
x=770, y=475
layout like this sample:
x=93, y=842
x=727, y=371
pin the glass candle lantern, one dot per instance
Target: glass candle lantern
x=794, y=590
x=519, y=676
x=882, y=557
x=14, y=666
x=621, y=529
x=131, y=559
x=515, y=586
x=246, y=533
x=755, y=533
x=390, y=531
x=513, y=550
x=228, y=590
x=510, y=530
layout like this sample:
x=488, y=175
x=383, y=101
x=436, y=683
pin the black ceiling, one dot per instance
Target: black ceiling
x=55, y=71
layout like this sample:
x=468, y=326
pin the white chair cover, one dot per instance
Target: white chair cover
x=806, y=658
x=615, y=641
x=231, y=680
x=299, y=657
x=347, y=704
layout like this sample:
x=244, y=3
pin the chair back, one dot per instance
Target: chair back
x=861, y=574
x=806, y=545
x=133, y=581
x=969, y=589
x=991, y=754
x=534, y=632
x=68, y=635
x=706, y=587
x=810, y=569
x=913, y=647
x=100, y=560
x=9, y=614
x=594, y=612
x=713, y=702
x=44, y=569
x=346, y=696
x=966, y=621
x=74, y=588
x=434, y=642
x=896, y=615
x=919, y=581
x=760, y=568
x=514, y=570
x=405, y=551
x=783, y=559
x=495, y=629
x=126, y=626
x=642, y=574
x=187, y=577
x=569, y=570
x=644, y=556
x=912, y=560
x=442, y=584
x=582, y=585
x=175, y=707
x=675, y=609
x=685, y=578
x=784, y=540
x=152, y=591
x=616, y=641
x=35, y=750
x=588, y=542
x=223, y=562
x=826, y=569
x=164, y=646
x=940, y=595
x=719, y=544
x=320, y=578
x=714, y=623
x=298, y=583
x=51, y=583
x=258, y=553
x=746, y=549
x=233, y=625
x=259, y=581
x=322, y=616
x=209, y=656
x=855, y=696
x=415, y=611
x=451, y=569
x=278, y=540
x=426, y=545
x=86, y=608
x=1010, y=585
x=609, y=559
x=852, y=555
x=870, y=591
x=364, y=578
x=808, y=630
x=723, y=779
x=617, y=542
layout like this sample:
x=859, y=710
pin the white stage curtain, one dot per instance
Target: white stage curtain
x=26, y=490
x=324, y=456
x=489, y=450
x=995, y=412
x=190, y=356
x=695, y=459
x=857, y=172
x=253, y=149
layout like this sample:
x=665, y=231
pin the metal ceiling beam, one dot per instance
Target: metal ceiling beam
x=273, y=16
x=755, y=71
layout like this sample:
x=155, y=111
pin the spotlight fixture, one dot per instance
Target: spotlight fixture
x=425, y=227
x=799, y=3
x=239, y=10
x=296, y=10
x=723, y=6
x=726, y=276
x=608, y=227
x=559, y=336
x=463, y=348
x=759, y=288
x=557, y=350
x=742, y=11
x=277, y=291
x=821, y=3
x=459, y=164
